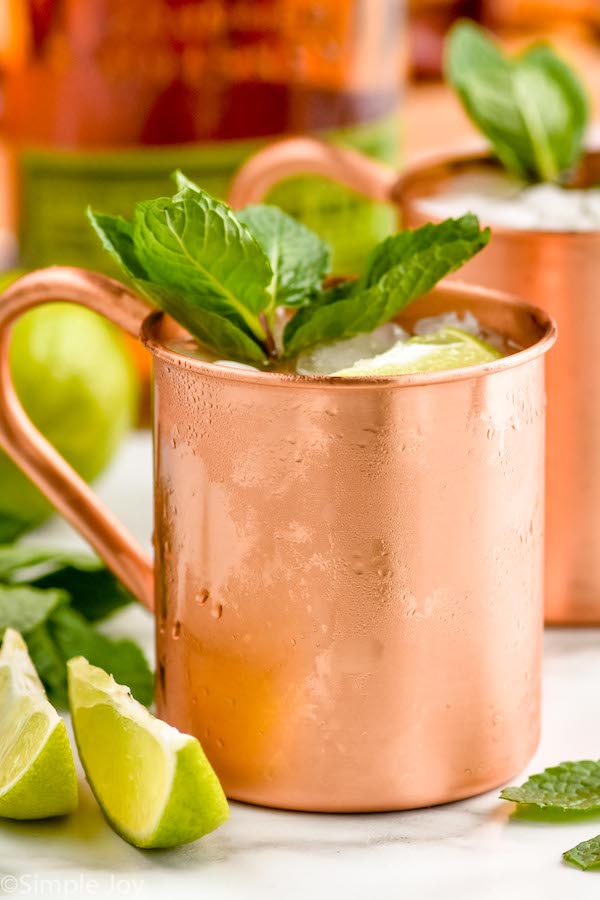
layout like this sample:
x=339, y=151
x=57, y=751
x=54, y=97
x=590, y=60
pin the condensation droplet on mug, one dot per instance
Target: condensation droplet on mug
x=176, y=629
x=217, y=611
x=202, y=596
x=161, y=676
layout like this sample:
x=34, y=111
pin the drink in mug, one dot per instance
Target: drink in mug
x=348, y=570
x=348, y=490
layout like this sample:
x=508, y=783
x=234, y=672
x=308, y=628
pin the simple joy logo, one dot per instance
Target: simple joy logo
x=29, y=885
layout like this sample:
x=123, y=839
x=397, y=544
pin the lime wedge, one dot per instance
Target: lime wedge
x=448, y=348
x=153, y=783
x=37, y=771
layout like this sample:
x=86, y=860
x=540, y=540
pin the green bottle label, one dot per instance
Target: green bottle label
x=57, y=186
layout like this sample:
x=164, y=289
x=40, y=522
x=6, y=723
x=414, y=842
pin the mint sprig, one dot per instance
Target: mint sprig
x=226, y=276
x=532, y=108
x=55, y=598
x=401, y=268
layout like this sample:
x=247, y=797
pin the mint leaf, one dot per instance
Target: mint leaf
x=183, y=182
x=532, y=109
x=585, y=855
x=568, y=786
x=116, y=235
x=24, y=608
x=64, y=593
x=17, y=561
x=410, y=264
x=331, y=319
x=50, y=664
x=11, y=528
x=92, y=588
x=299, y=259
x=194, y=248
x=17, y=557
x=72, y=636
x=556, y=110
x=401, y=268
x=94, y=591
x=221, y=334
x=452, y=242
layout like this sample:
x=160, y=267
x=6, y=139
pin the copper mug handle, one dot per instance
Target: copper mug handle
x=311, y=156
x=306, y=155
x=32, y=452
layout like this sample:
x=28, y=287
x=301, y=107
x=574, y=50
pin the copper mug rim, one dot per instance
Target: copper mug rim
x=151, y=326
x=444, y=166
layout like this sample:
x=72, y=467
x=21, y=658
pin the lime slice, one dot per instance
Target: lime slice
x=154, y=784
x=448, y=348
x=37, y=772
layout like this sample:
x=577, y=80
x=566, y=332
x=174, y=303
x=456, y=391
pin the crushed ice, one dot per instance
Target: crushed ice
x=501, y=200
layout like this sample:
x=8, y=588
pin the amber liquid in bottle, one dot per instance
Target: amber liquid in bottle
x=104, y=98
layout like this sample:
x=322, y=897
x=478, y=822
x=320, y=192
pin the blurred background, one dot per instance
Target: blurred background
x=101, y=99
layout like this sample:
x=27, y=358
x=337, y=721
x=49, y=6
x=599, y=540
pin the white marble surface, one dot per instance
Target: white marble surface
x=474, y=850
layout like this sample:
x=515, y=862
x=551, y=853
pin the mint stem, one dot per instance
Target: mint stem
x=269, y=340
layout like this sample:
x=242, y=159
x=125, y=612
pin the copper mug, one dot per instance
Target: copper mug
x=559, y=271
x=347, y=578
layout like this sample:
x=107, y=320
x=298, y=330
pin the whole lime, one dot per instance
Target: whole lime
x=76, y=381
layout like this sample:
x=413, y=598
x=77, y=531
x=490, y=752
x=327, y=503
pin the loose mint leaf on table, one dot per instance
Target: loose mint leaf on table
x=401, y=268
x=91, y=587
x=533, y=108
x=52, y=597
x=16, y=558
x=12, y=528
x=299, y=259
x=585, y=855
x=94, y=592
x=50, y=664
x=566, y=787
x=72, y=635
x=24, y=608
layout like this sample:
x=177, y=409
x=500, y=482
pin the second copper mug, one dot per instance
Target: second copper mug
x=559, y=271
x=347, y=578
